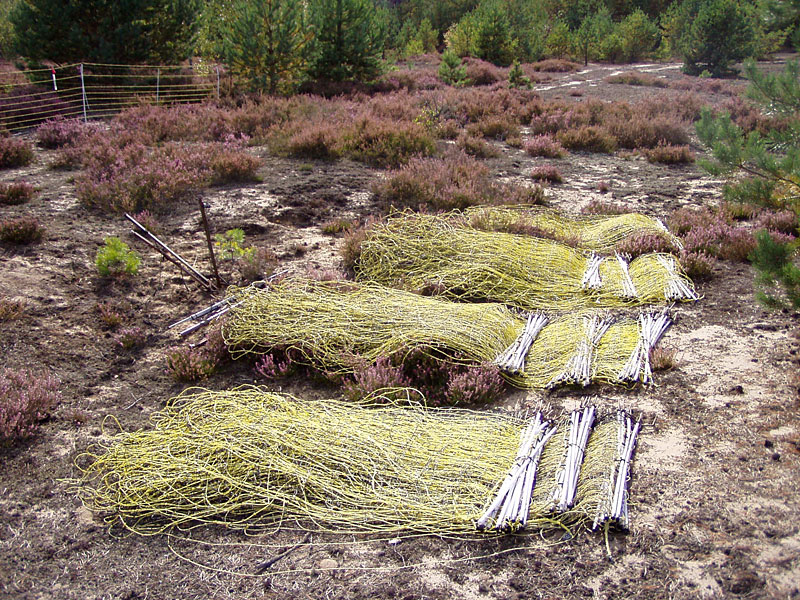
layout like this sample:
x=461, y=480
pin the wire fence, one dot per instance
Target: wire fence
x=93, y=91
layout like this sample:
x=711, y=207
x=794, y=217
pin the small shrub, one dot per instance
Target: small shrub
x=477, y=147
x=11, y=310
x=698, y=266
x=638, y=79
x=517, y=78
x=544, y=146
x=257, y=264
x=111, y=316
x=189, y=364
x=16, y=192
x=663, y=358
x=480, y=72
x=784, y=221
x=669, y=155
x=640, y=243
x=603, y=187
x=116, y=259
x=20, y=230
x=14, y=152
x=588, y=138
x=739, y=211
x=599, y=207
x=231, y=244
x=495, y=127
x=368, y=379
x=385, y=143
x=685, y=219
x=475, y=385
x=457, y=181
x=337, y=226
x=149, y=221
x=315, y=141
x=272, y=366
x=555, y=65
x=25, y=399
x=130, y=338
x=547, y=173
x=720, y=240
x=60, y=132
x=451, y=71
x=351, y=248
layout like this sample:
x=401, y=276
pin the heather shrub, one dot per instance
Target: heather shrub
x=600, y=207
x=188, y=364
x=497, y=127
x=588, y=138
x=669, y=155
x=275, y=365
x=116, y=259
x=475, y=385
x=699, y=266
x=25, y=399
x=229, y=162
x=663, y=358
x=784, y=221
x=641, y=131
x=544, y=146
x=11, y=310
x=721, y=240
x=477, y=147
x=256, y=265
x=111, y=315
x=555, y=65
x=130, y=338
x=684, y=219
x=337, y=226
x=457, y=181
x=20, y=230
x=480, y=72
x=547, y=173
x=59, y=132
x=14, y=152
x=136, y=177
x=367, y=379
x=148, y=221
x=738, y=211
x=637, y=79
x=385, y=143
x=440, y=381
x=351, y=248
x=644, y=242
x=16, y=192
x=315, y=140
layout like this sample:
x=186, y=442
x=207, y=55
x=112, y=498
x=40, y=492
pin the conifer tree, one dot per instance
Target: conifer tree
x=104, y=32
x=348, y=42
x=264, y=42
x=770, y=163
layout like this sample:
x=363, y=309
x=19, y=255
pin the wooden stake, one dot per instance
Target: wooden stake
x=210, y=245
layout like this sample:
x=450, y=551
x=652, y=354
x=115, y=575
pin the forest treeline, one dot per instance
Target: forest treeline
x=275, y=45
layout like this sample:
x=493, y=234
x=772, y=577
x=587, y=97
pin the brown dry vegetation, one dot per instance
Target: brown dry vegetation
x=715, y=505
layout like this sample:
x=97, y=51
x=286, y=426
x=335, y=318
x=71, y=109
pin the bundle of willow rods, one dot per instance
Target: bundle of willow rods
x=340, y=326
x=417, y=252
x=600, y=233
x=613, y=508
x=251, y=459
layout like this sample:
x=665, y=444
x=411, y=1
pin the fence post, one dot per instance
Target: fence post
x=158, y=83
x=83, y=96
x=217, y=82
x=53, y=73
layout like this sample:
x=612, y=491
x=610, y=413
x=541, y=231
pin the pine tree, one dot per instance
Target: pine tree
x=104, y=32
x=264, y=43
x=349, y=37
x=771, y=165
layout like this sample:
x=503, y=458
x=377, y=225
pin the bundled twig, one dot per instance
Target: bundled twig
x=512, y=360
x=340, y=326
x=651, y=326
x=416, y=252
x=513, y=501
x=250, y=459
x=580, y=426
x=613, y=507
x=594, y=232
x=677, y=288
x=578, y=369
